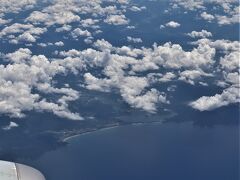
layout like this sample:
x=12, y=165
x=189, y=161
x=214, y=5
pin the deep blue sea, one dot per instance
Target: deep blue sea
x=169, y=151
x=192, y=145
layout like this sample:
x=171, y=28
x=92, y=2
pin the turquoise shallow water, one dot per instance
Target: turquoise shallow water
x=170, y=151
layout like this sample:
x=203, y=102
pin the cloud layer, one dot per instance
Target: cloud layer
x=133, y=70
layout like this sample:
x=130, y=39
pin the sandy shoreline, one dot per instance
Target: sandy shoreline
x=88, y=132
x=107, y=128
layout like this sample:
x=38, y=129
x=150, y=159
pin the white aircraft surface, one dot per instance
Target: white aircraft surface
x=15, y=171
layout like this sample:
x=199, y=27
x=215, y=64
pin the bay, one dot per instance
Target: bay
x=170, y=151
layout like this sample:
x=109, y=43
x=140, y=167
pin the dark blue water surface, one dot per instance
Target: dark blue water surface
x=171, y=151
x=192, y=145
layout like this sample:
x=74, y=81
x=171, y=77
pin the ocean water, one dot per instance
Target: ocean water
x=169, y=151
x=191, y=146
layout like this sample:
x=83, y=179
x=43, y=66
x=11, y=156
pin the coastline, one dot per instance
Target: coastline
x=67, y=138
x=88, y=132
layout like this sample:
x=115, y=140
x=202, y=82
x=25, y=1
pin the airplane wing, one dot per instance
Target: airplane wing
x=14, y=171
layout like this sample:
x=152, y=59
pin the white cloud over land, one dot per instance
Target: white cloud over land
x=131, y=68
x=25, y=73
x=207, y=103
x=172, y=24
